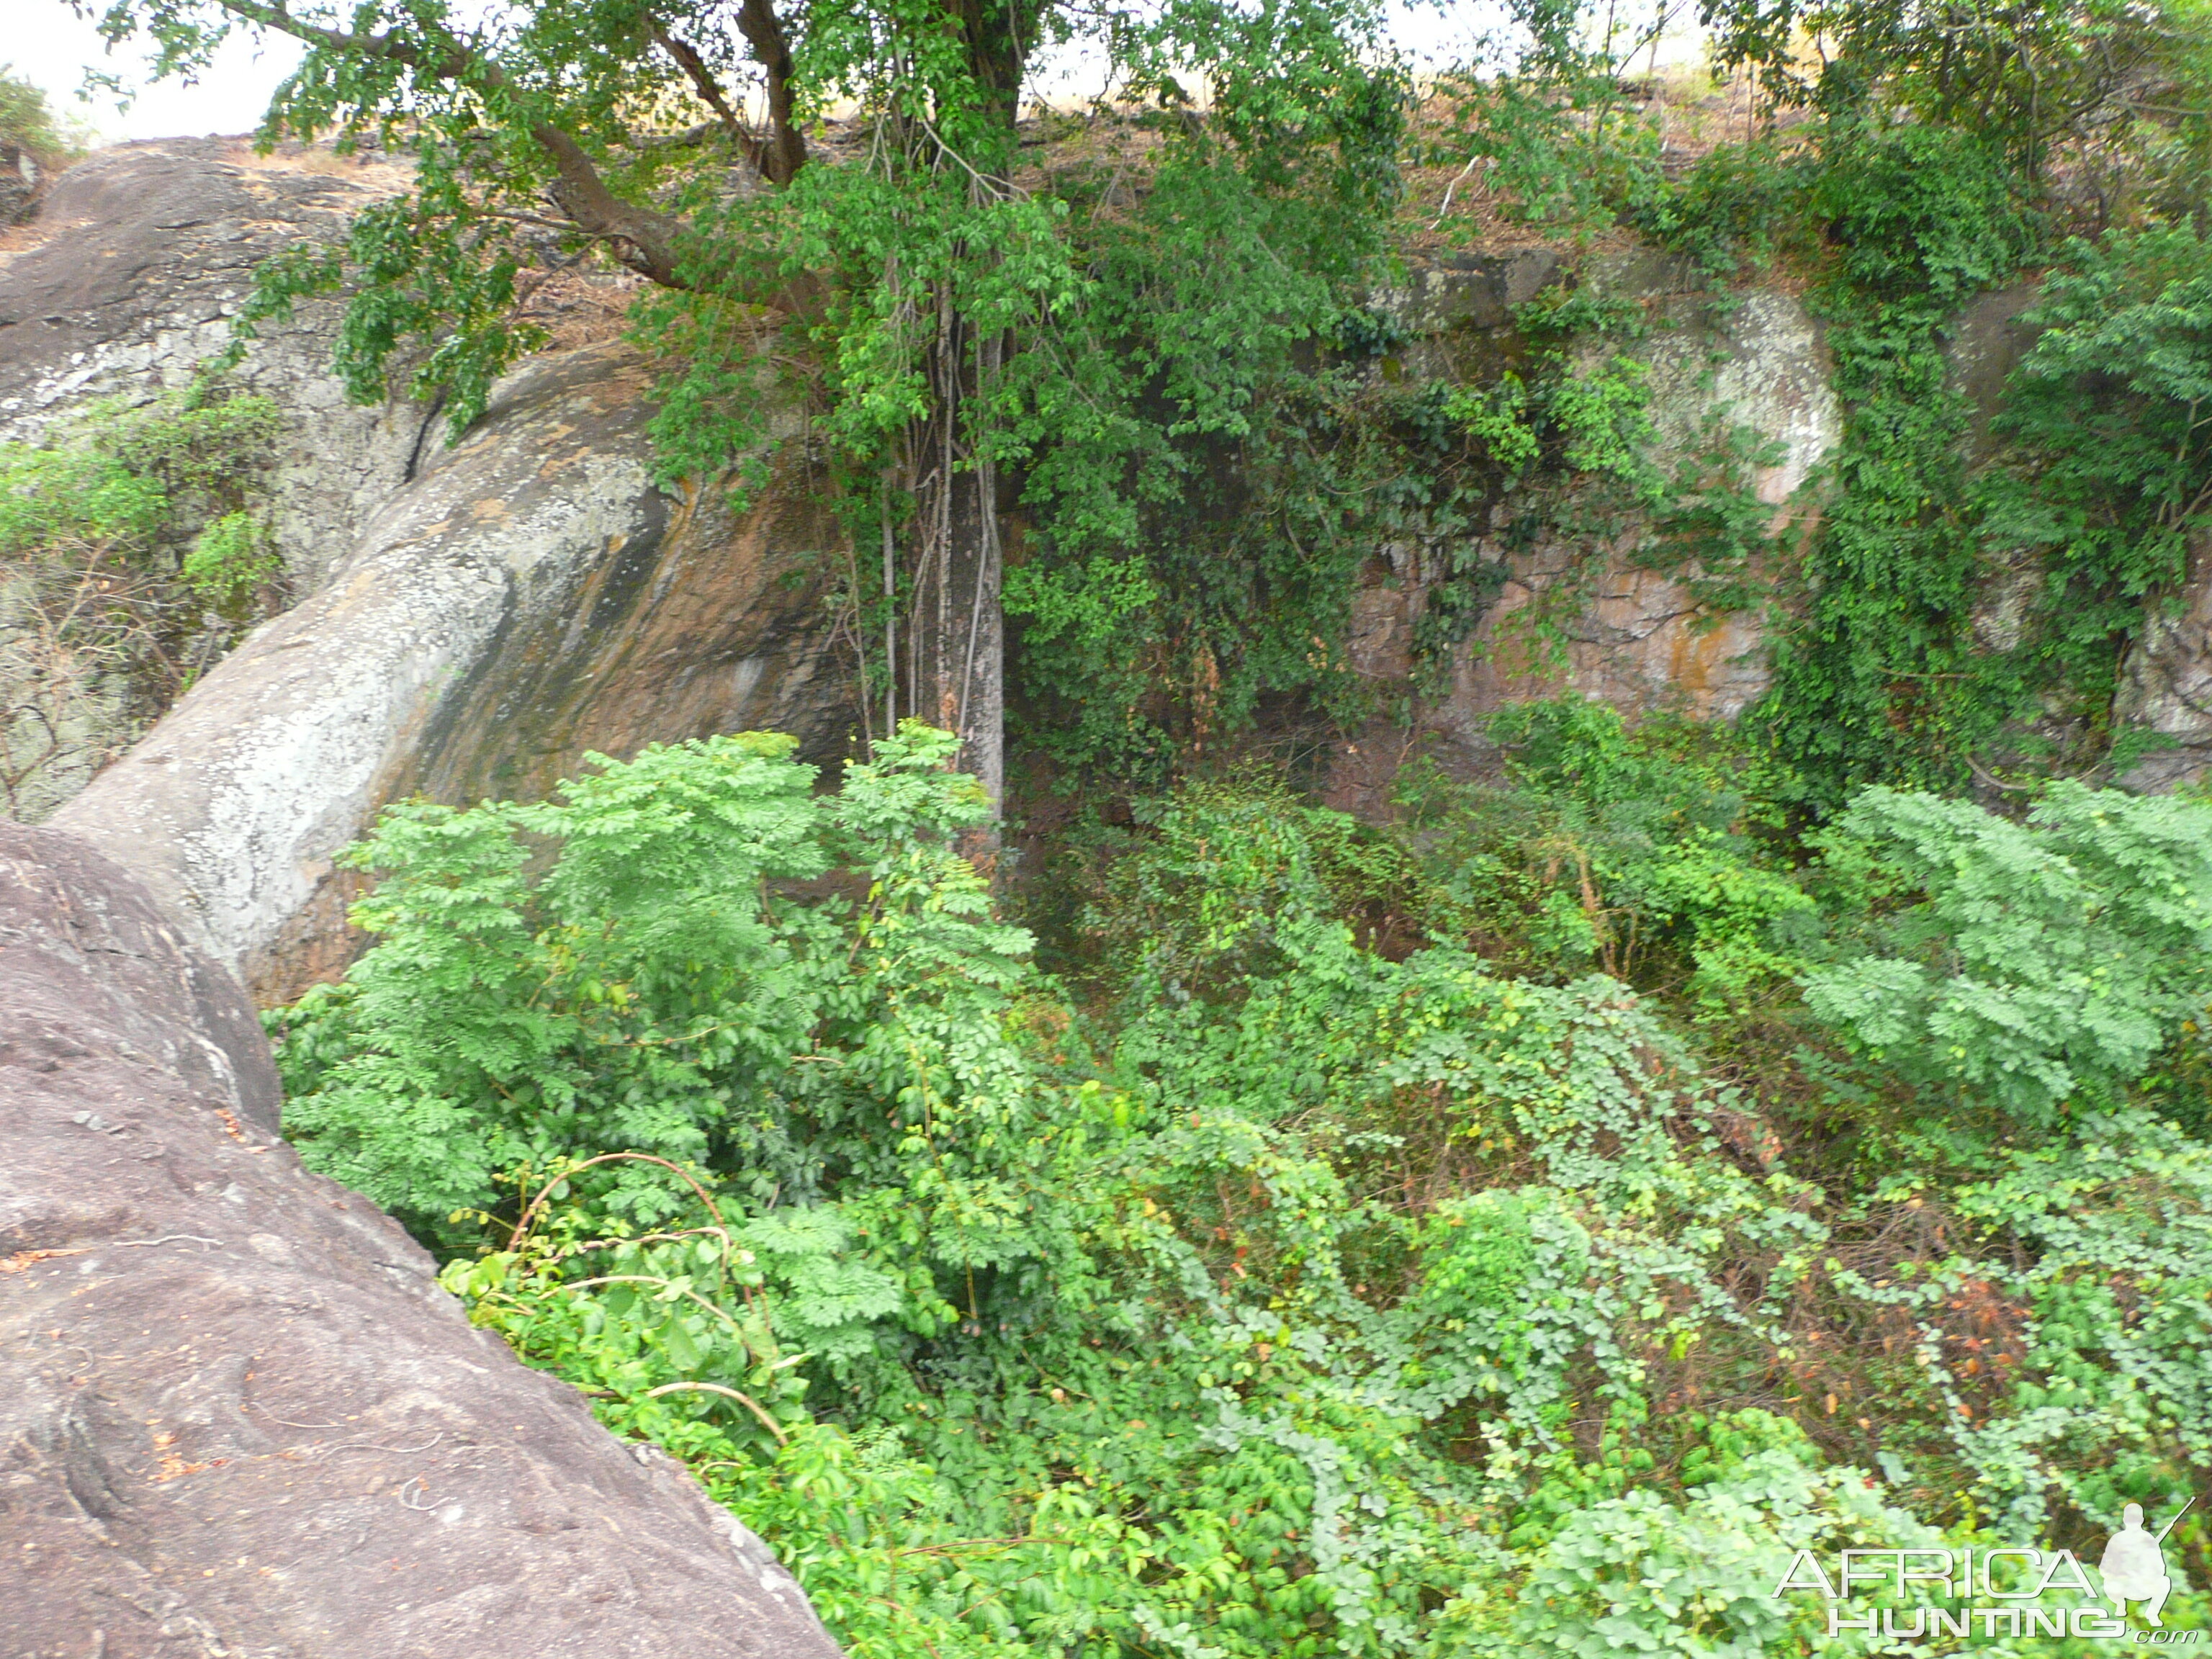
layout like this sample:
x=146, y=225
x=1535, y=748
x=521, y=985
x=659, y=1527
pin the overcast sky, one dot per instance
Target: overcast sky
x=50, y=45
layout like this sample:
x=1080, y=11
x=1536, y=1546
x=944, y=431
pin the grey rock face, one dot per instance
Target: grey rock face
x=1469, y=290
x=2166, y=681
x=1763, y=364
x=530, y=597
x=237, y=1415
x=476, y=619
x=1984, y=345
x=122, y=287
x=1581, y=613
x=141, y=255
x=1611, y=629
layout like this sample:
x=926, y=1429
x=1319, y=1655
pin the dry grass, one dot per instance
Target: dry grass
x=578, y=307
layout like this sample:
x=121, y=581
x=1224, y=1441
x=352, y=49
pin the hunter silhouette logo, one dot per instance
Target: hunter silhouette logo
x=2134, y=1565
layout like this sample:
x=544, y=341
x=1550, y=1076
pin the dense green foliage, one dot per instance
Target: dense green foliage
x=138, y=476
x=1970, y=587
x=2071, y=525
x=2114, y=467
x=2039, y=963
x=1129, y=662
x=1884, y=680
x=616, y=1004
x=1326, y=1261
x=2023, y=76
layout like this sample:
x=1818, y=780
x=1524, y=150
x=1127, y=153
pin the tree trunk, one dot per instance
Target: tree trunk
x=956, y=641
x=955, y=651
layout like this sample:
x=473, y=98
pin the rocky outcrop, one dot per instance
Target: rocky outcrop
x=1983, y=346
x=237, y=1415
x=474, y=619
x=1582, y=613
x=2166, y=681
x=125, y=283
x=19, y=183
x=1446, y=293
x=1629, y=635
x=530, y=597
x=123, y=288
x=203, y=1456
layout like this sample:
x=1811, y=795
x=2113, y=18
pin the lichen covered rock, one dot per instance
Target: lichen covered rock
x=124, y=285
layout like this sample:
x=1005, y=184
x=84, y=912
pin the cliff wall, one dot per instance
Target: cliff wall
x=472, y=621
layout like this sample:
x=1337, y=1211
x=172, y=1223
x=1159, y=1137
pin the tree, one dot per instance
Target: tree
x=982, y=335
x=2025, y=76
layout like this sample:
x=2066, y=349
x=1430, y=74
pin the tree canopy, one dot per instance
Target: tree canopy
x=974, y=331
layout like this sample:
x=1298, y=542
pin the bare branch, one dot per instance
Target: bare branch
x=585, y=198
x=744, y=1400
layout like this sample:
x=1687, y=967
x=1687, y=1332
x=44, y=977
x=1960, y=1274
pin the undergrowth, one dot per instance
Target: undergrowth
x=1365, y=1241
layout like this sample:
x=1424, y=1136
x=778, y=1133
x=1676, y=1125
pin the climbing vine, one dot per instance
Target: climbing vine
x=1135, y=661
x=1882, y=679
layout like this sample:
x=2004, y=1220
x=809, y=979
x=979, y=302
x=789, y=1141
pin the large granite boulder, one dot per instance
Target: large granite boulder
x=531, y=596
x=237, y=1415
x=122, y=287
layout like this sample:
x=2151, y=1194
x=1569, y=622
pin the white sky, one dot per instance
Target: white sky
x=50, y=45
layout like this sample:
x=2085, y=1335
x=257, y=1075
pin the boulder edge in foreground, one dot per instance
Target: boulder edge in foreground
x=237, y=1415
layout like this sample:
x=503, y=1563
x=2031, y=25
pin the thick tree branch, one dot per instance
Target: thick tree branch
x=645, y=238
x=584, y=196
x=452, y=65
x=785, y=153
